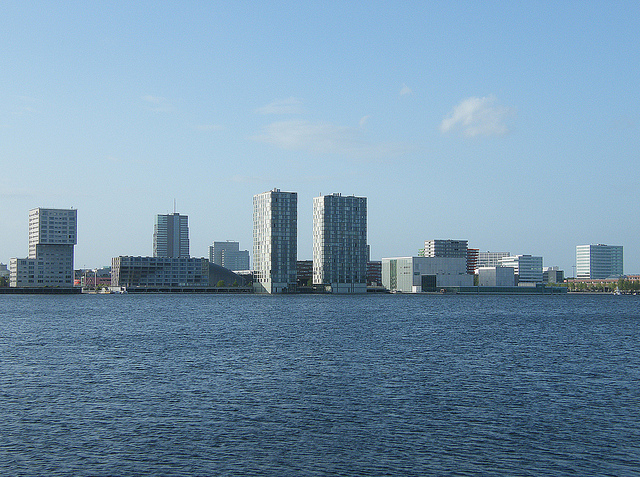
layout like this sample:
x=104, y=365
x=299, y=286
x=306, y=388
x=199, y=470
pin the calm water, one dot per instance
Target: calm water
x=319, y=385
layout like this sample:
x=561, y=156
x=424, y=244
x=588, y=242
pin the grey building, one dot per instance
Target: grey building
x=163, y=272
x=228, y=255
x=275, y=241
x=496, y=277
x=340, y=251
x=52, y=237
x=424, y=274
x=526, y=268
x=599, y=261
x=171, y=236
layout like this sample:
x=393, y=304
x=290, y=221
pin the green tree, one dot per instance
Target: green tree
x=220, y=283
x=235, y=283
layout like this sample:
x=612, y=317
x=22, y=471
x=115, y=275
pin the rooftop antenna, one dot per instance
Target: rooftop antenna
x=174, y=205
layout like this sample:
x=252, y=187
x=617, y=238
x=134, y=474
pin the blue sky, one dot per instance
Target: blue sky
x=514, y=125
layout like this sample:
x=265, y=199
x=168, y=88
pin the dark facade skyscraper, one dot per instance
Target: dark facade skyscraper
x=171, y=236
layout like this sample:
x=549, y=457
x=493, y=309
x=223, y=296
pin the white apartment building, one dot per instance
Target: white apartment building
x=171, y=236
x=599, y=261
x=340, y=251
x=52, y=236
x=527, y=268
x=275, y=241
x=228, y=255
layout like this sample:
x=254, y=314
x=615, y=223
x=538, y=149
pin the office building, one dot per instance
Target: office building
x=275, y=241
x=424, y=274
x=552, y=275
x=340, y=251
x=171, y=236
x=526, y=268
x=52, y=236
x=444, y=249
x=599, y=261
x=228, y=255
x=491, y=259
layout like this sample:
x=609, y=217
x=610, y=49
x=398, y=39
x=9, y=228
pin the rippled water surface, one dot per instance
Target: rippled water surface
x=319, y=385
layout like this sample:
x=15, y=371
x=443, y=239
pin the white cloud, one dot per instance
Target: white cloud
x=325, y=138
x=282, y=106
x=363, y=120
x=405, y=90
x=157, y=104
x=477, y=117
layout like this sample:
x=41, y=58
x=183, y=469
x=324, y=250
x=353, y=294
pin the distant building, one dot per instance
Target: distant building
x=472, y=260
x=490, y=259
x=275, y=241
x=444, y=248
x=340, y=251
x=424, y=274
x=4, y=271
x=552, y=275
x=171, y=236
x=496, y=277
x=92, y=278
x=52, y=236
x=304, y=272
x=374, y=274
x=599, y=261
x=228, y=255
x=163, y=272
x=527, y=268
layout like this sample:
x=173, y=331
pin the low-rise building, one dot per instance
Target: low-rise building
x=164, y=272
x=496, y=277
x=424, y=274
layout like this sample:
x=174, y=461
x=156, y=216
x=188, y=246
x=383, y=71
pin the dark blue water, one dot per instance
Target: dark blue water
x=319, y=385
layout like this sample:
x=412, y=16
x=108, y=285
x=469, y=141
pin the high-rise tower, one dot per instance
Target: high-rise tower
x=52, y=236
x=340, y=251
x=171, y=236
x=275, y=241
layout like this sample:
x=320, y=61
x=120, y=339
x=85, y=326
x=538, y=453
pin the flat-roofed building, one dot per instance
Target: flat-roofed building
x=171, y=236
x=527, y=268
x=275, y=241
x=491, y=259
x=424, y=274
x=228, y=255
x=52, y=237
x=340, y=251
x=599, y=261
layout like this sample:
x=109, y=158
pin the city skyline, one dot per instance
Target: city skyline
x=513, y=126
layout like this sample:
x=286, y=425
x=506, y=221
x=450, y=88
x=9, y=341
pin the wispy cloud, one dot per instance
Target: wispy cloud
x=477, y=117
x=157, y=104
x=405, y=90
x=282, y=106
x=325, y=138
